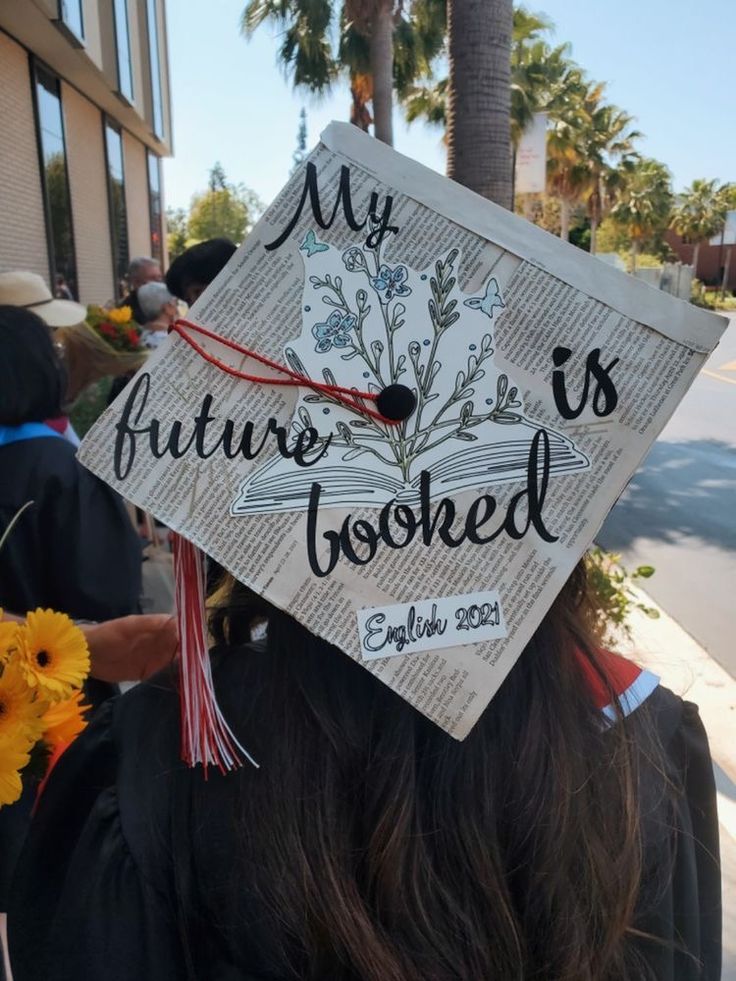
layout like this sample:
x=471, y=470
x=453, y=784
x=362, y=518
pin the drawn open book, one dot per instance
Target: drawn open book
x=366, y=325
x=281, y=486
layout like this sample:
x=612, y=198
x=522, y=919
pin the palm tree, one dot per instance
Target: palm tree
x=379, y=44
x=569, y=177
x=539, y=75
x=644, y=205
x=606, y=141
x=699, y=214
x=541, y=78
x=479, y=97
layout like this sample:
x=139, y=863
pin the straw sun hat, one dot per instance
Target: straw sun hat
x=28, y=290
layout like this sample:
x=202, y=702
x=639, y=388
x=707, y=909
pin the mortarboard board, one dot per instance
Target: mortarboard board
x=401, y=414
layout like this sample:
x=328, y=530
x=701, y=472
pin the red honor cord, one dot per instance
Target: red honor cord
x=350, y=397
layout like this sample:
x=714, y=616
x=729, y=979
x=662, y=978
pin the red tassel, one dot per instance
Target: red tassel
x=206, y=737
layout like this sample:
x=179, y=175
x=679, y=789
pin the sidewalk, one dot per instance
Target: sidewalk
x=666, y=649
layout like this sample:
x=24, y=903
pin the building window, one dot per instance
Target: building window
x=154, y=205
x=122, y=43
x=55, y=178
x=116, y=196
x=71, y=18
x=156, y=100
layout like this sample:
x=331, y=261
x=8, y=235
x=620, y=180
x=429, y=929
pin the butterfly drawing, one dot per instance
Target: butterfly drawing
x=310, y=245
x=488, y=303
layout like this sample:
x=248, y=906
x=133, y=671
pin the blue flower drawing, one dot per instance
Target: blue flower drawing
x=333, y=333
x=390, y=283
x=354, y=259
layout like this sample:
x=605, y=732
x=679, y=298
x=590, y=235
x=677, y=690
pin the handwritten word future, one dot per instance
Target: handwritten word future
x=199, y=438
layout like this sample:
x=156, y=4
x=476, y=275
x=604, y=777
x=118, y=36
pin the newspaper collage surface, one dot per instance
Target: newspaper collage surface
x=428, y=549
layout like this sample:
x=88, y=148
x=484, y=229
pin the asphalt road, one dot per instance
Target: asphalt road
x=679, y=511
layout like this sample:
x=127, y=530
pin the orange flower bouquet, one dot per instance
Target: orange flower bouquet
x=116, y=327
x=44, y=661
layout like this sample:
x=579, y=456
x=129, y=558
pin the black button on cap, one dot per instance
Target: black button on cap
x=396, y=402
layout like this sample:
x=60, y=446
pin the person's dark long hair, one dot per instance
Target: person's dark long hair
x=375, y=847
x=32, y=376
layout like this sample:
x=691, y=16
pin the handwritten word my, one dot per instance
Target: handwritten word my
x=379, y=222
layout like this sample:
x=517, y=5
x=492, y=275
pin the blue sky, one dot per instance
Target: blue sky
x=667, y=62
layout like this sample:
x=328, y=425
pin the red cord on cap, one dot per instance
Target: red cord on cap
x=206, y=737
x=350, y=397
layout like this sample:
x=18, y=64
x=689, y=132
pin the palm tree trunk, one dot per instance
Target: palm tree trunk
x=634, y=253
x=593, y=235
x=564, y=219
x=382, y=69
x=479, y=97
x=696, y=251
x=359, y=113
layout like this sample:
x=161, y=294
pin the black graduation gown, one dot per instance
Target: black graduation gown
x=95, y=895
x=75, y=551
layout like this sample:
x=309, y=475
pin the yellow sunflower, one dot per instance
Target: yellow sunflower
x=63, y=721
x=54, y=654
x=20, y=707
x=13, y=757
x=9, y=638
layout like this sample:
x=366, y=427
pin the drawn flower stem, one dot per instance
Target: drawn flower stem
x=442, y=316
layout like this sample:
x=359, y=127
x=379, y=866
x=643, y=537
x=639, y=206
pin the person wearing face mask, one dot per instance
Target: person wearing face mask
x=142, y=270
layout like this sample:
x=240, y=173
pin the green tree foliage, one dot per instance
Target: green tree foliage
x=379, y=45
x=589, y=139
x=542, y=78
x=612, y=237
x=224, y=210
x=590, y=147
x=176, y=231
x=644, y=205
x=612, y=598
x=700, y=213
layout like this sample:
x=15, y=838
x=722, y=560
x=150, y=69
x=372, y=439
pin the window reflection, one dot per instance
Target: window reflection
x=122, y=40
x=70, y=14
x=118, y=214
x=154, y=203
x=55, y=179
x=158, y=111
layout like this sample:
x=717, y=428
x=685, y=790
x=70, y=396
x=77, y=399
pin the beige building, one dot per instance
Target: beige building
x=85, y=117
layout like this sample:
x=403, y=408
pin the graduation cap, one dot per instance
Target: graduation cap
x=400, y=414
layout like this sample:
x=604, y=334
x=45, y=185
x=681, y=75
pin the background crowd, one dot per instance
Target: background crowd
x=72, y=544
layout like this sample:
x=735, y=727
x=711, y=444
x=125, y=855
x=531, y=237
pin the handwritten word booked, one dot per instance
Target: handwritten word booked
x=397, y=525
x=430, y=624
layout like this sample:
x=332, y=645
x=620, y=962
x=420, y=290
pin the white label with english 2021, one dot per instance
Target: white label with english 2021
x=430, y=624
